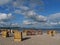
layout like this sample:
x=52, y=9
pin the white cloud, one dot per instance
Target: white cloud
x=32, y=3
x=15, y=25
x=33, y=15
x=24, y=7
x=4, y=1
x=41, y=18
x=53, y=23
x=4, y=16
x=54, y=17
x=22, y=10
x=30, y=14
x=28, y=22
x=27, y=11
x=4, y=19
x=18, y=11
x=3, y=24
x=49, y=23
x=58, y=22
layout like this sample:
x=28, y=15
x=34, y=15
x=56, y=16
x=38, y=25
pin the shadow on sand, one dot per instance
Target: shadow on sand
x=26, y=38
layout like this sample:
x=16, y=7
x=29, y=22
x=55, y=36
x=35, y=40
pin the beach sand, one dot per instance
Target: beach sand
x=33, y=40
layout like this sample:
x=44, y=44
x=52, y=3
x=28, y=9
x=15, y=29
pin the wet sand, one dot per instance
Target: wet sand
x=33, y=40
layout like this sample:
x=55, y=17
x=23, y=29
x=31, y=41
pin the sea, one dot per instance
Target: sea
x=44, y=30
x=21, y=29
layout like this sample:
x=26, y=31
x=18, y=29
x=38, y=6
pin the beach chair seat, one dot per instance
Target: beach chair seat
x=5, y=34
x=52, y=32
x=39, y=32
x=17, y=36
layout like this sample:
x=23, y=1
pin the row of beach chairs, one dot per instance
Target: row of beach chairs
x=18, y=35
x=39, y=32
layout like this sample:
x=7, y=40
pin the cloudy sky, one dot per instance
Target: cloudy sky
x=30, y=13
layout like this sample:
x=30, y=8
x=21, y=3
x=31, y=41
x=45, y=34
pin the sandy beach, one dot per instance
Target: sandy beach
x=33, y=40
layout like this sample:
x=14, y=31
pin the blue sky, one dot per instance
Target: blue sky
x=30, y=13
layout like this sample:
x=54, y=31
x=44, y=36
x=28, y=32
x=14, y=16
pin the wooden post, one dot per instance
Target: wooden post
x=17, y=36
